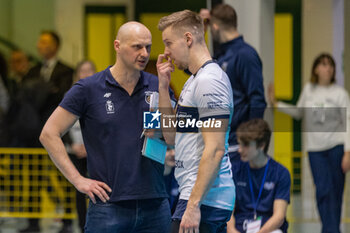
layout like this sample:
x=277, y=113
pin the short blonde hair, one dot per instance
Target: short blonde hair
x=183, y=21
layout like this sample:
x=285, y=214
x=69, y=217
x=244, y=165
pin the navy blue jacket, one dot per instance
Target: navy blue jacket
x=244, y=68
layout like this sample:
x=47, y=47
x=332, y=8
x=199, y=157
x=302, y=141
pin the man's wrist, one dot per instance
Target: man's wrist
x=75, y=180
x=193, y=203
x=163, y=89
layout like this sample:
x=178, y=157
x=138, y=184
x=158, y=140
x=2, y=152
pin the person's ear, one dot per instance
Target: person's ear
x=117, y=45
x=189, y=38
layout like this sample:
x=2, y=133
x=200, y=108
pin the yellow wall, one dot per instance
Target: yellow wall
x=283, y=124
x=101, y=32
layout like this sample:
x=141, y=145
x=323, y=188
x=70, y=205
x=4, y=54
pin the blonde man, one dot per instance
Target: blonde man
x=203, y=170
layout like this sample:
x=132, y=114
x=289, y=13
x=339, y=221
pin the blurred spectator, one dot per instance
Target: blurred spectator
x=43, y=88
x=243, y=66
x=19, y=67
x=51, y=71
x=324, y=107
x=77, y=149
x=4, y=100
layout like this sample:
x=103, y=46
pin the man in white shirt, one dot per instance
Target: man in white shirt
x=203, y=170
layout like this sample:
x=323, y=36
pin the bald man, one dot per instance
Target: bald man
x=126, y=190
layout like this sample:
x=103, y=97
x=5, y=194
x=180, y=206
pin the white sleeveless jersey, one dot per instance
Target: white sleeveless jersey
x=204, y=97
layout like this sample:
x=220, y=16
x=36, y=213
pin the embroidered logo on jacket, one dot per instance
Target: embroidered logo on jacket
x=107, y=95
x=109, y=107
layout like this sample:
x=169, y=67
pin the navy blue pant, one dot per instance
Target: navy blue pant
x=133, y=216
x=203, y=227
x=213, y=220
x=329, y=181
